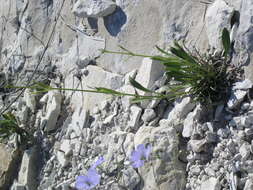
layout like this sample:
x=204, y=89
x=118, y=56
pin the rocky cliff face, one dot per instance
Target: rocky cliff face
x=60, y=42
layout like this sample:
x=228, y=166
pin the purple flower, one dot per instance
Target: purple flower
x=91, y=179
x=139, y=155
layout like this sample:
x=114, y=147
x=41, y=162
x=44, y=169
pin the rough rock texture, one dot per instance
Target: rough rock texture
x=9, y=158
x=59, y=42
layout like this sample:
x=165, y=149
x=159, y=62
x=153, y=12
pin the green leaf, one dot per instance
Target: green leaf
x=162, y=51
x=180, y=52
x=140, y=99
x=137, y=85
x=107, y=91
x=225, y=41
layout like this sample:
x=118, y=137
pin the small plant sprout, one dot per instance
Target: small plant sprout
x=91, y=179
x=140, y=155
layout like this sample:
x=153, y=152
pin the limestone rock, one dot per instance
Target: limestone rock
x=180, y=110
x=243, y=85
x=198, y=145
x=236, y=98
x=148, y=73
x=148, y=115
x=30, y=100
x=53, y=109
x=211, y=184
x=97, y=77
x=135, y=116
x=79, y=120
x=249, y=183
x=9, y=159
x=168, y=172
x=28, y=171
x=190, y=120
x=130, y=179
x=94, y=8
x=218, y=17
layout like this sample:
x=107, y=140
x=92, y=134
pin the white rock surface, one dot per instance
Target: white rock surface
x=79, y=120
x=211, y=184
x=53, y=109
x=27, y=173
x=243, y=85
x=236, y=98
x=191, y=120
x=148, y=115
x=218, y=16
x=134, y=116
x=30, y=100
x=180, y=110
x=249, y=183
x=148, y=73
x=94, y=8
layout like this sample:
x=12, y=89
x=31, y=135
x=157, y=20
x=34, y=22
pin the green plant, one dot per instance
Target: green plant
x=206, y=78
x=9, y=126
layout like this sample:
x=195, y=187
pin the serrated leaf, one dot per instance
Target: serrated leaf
x=225, y=41
x=137, y=85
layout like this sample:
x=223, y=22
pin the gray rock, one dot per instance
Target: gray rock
x=28, y=171
x=249, y=183
x=198, y=145
x=148, y=115
x=169, y=173
x=84, y=62
x=30, y=100
x=66, y=147
x=130, y=179
x=9, y=157
x=210, y=184
x=245, y=151
x=148, y=73
x=180, y=110
x=191, y=119
x=243, y=85
x=218, y=16
x=236, y=98
x=93, y=8
x=79, y=120
x=218, y=112
x=211, y=137
x=135, y=116
x=17, y=186
x=245, y=106
x=53, y=108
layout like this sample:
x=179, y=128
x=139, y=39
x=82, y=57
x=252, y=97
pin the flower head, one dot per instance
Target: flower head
x=139, y=155
x=91, y=179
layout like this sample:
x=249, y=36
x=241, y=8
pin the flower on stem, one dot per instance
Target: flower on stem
x=91, y=179
x=139, y=155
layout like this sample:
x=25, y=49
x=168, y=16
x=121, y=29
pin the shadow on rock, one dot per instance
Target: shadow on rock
x=115, y=21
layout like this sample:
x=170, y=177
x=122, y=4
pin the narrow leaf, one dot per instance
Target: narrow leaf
x=225, y=41
x=137, y=85
x=107, y=91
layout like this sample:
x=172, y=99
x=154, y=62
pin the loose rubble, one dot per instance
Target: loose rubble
x=194, y=147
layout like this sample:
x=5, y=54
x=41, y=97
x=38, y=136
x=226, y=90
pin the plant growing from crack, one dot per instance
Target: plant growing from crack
x=9, y=126
x=206, y=78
